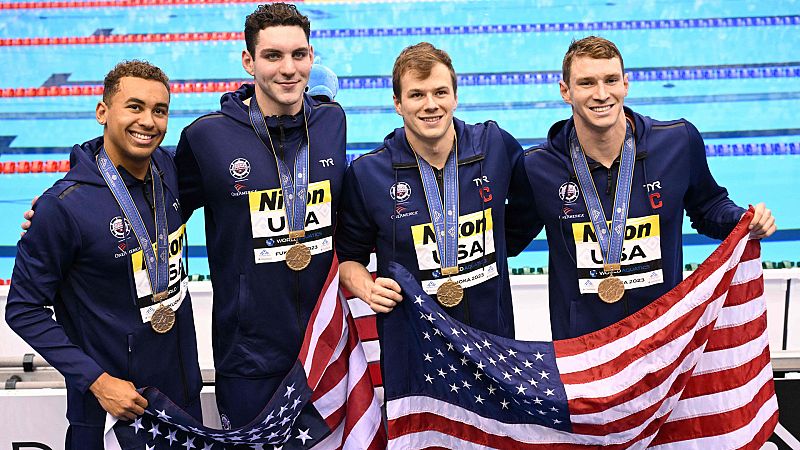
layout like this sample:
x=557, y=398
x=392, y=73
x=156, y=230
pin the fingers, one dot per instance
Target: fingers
x=384, y=295
x=763, y=223
x=758, y=214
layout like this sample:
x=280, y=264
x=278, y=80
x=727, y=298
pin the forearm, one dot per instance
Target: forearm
x=356, y=279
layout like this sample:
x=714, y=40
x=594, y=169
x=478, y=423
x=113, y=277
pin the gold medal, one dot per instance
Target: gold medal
x=163, y=319
x=450, y=293
x=298, y=257
x=611, y=289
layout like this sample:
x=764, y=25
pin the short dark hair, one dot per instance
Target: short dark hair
x=420, y=58
x=272, y=15
x=134, y=68
x=592, y=46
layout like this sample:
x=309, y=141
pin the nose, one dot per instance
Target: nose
x=430, y=104
x=601, y=93
x=146, y=120
x=287, y=66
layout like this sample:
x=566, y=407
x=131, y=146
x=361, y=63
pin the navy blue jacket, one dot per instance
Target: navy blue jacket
x=261, y=307
x=384, y=208
x=670, y=176
x=80, y=258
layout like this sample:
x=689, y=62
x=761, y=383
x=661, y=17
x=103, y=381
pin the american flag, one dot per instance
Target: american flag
x=327, y=400
x=690, y=371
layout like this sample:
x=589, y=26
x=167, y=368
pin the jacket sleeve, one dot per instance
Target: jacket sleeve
x=44, y=257
x=522, y=219
x=355, y=231
x=190, y=184
x=710, y=210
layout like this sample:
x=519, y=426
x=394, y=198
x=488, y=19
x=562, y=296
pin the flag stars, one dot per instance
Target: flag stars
x=517, y=371
x=537, y=400
x=154, y=430
x=189, y=444
x=441, y=373
x=554, y=409
x=418, y=300
x=549, y=392
x=511, y=352
x=304, y=436
x=289, y=390
x=533, y=382
x=481, y=366
x=467, y=349
x=492, y=361
x=478, y=399
x=539, y=356
x=478, y=375
x=556, y=421
x=428, y=378
x=504, y=404
x=501, y=357
x=296, y=403
x=454, y=331
x=426, y=335
x=506, y=375
x=450, y=347
x=528, y=364
x=439, y=352
x=436, y=332
x=478, y=346
x=171, y=437
x=137, y=425
x=491, y=389
x=486, y=344
x=464, y=361
x=163, y=414
x=428, y=357
x=466, y=384
x=282, y=410
x=544, y=375
x=542, y=412
x=453, y=369
x=521, y=389
x=454, y=388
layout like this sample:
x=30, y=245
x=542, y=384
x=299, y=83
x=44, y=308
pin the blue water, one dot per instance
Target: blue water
x=737, y=80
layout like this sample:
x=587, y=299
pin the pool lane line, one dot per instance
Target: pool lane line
x=123, y=3
x=789, y=69
x=441, y=30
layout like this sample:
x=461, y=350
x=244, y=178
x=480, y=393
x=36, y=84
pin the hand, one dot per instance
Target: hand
x=384, y=295
x=118, y=397
x=28, y=216
x=763, y=223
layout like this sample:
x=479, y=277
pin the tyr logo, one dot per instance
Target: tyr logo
x=326, y=162
x=655, y=197
x=481, y=180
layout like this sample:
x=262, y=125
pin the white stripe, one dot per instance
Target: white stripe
x=333, y=399
x=608, y=352
x=720, y=402
x=425, y=439
x=734, y=439
x=526, y=433
x=359, y=308
x=747, y=271
x=649, y=362
x=372, y=350
x=110, y=441
x=324, y=316
x=715, y=361
x=645, y=400
x=733, y=316
x=362, y=434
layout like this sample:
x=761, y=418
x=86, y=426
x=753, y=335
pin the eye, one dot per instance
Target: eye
x=300, y=54
x=442, y=93
x=272, y=56
x=134, y=107
x=161, y=111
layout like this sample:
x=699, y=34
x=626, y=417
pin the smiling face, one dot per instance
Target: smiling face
x=135, y=122
x=280, y=65
x=427, y=107
x=597, y=89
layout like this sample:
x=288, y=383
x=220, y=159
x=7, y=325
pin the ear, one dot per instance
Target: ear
x=311, y=53
x=101, y=113
x=625, y=83
x=455, y=95
x=397, y=105
x=562, y=86
x=247, y=63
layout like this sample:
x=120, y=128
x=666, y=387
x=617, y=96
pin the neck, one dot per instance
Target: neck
x=435, y=153
x=269, y=108
x=137, y=168
x=603, y=146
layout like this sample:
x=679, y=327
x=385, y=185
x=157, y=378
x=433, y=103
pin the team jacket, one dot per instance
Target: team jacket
x=384, y=208
x=82, y=258
x=261, y=307
x=670, y=175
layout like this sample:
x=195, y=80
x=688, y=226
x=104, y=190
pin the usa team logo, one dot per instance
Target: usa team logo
x=568, y=192
x=400, y=191
x=240, y=168
x=119, y=227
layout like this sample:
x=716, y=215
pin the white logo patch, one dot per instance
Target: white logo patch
x=119, y=227
x=240, y=168
x=568, y=192
x=400, y=191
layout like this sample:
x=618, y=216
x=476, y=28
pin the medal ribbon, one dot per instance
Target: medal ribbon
x=610, y=240
x=292, y=187
x=444, y=218
x=156, y=263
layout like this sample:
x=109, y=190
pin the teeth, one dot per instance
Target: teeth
x=141, y=136
x=600, y=108
x=430, y=119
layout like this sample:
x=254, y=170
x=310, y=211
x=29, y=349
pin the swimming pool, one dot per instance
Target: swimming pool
x=730, y=67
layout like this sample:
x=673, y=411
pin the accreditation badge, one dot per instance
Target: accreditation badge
x=178, y=284
x=640, y=265
x=271, y=240
x=477, y=261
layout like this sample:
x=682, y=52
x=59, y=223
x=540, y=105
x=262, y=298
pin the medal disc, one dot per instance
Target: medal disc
x=450, y=293
x=611, y=289
x=298, y=257
x=163, y=319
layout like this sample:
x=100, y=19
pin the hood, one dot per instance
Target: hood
x=403, y=157
x=83, y=164
x=232, y=105
x=558, y=136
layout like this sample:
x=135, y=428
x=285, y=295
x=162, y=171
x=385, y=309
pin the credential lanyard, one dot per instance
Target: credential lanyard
x=610, y=240
x=293, y=188
x=444, y=218
x=156, y=262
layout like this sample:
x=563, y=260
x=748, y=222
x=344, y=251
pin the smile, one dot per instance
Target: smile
x=431, y=119
x=142, y=136
x=600, y=109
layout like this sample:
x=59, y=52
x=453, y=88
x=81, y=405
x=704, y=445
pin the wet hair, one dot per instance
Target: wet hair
x=134, y=68
x=420, y=58
x=272, y=15
x=592, y=46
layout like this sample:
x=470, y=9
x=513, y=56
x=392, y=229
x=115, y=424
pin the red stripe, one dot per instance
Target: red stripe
x=94, y=90
x=724, y=338
x=714, y=424
x=309, y=329
x=713, y=382
x=743, y=293
x=763, y=434
x=375, y=373
x=124, y=3
x=367, y=328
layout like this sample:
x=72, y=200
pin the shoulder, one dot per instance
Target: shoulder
x=372, y=159
x=206, y=120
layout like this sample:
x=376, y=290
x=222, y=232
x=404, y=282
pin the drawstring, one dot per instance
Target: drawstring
x=394, y=220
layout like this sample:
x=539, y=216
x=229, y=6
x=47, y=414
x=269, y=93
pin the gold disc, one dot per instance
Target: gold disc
x=611, y=289
x=450, y=293
x=163, y=319
x=298, y=257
